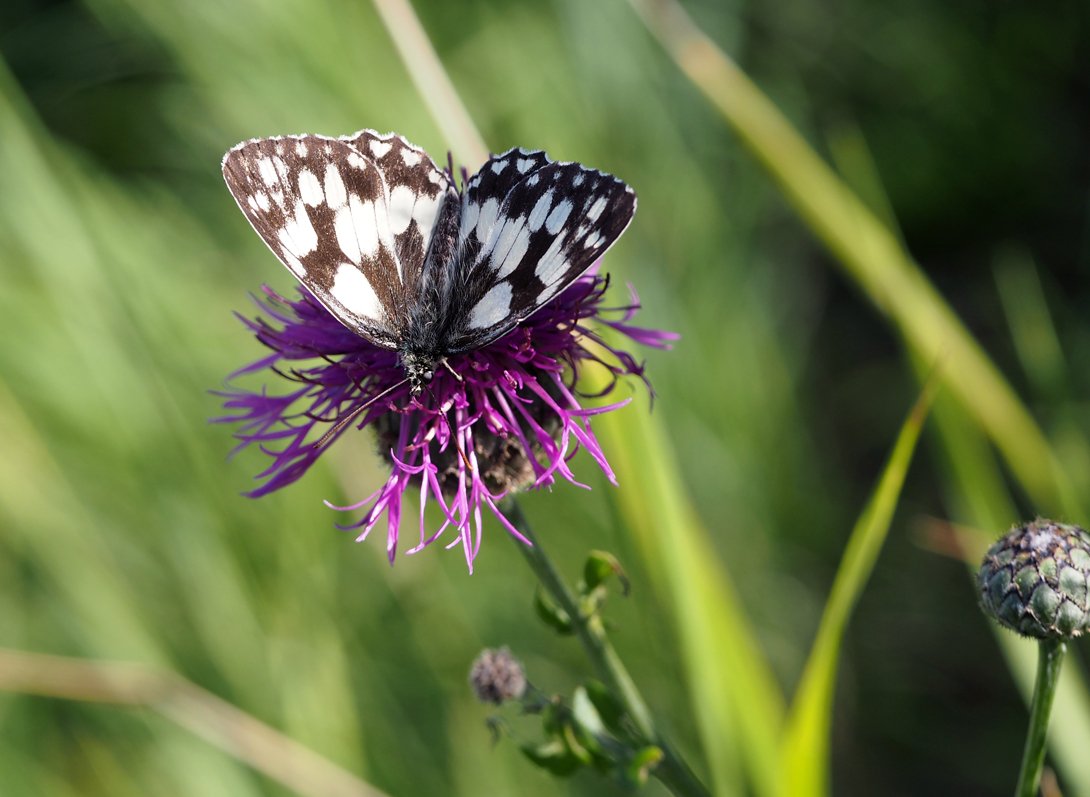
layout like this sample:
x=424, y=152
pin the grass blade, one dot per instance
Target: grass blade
x=806, y=752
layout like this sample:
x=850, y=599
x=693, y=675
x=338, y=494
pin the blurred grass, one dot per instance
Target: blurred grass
x=123, y=534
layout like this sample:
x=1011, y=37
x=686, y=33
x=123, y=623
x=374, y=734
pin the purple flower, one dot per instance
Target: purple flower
x=501, y=418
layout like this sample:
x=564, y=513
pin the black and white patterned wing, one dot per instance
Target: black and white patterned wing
x=552, y=222
x=417, y=189
x=328, y=213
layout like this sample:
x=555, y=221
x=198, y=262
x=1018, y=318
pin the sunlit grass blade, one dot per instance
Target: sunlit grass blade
x=806, y=746
x=869, y=252
x=734, y=696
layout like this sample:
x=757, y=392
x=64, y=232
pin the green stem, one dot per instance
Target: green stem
x=674, y=773
x=1050, y=656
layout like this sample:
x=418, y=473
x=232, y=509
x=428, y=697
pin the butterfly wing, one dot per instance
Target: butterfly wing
x=350, y=218
x=417, y=191
x=529, y=228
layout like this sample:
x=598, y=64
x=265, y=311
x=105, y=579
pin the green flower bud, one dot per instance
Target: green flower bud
x=1034, y=580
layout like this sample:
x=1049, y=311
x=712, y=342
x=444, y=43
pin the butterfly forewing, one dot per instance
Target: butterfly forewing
x=488, y=188
x=552, y=224
x=416, y=188
x=327, y=212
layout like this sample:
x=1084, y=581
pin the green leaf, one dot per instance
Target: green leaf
x=553, y=756
x=586, y=714
x=806, y=756
x=600, y=565
x=639, y=768
x=551, y=614
x=609, y=708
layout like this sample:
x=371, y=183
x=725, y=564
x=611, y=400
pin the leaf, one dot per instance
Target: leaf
x=806, y=739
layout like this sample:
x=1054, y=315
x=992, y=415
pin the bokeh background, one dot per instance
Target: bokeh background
x=123, y=536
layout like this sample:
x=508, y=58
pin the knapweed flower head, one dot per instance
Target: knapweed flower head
x=501, y=418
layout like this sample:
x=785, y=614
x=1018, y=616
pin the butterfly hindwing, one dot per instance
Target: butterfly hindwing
x=552, y=225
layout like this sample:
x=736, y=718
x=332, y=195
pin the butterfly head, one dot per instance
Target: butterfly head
x=419, y=368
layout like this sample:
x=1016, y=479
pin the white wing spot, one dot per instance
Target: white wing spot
x=267, y=171
x=252, y=202
x=491, y=309
x=515, y=254
x=294, y=264
x=597, y=208
x=345, y=231
x=435, y=177
x=262, y=200
x=354, y=292
x=424, y=213
x=487, y=220
x=301, y=149
x=380, y=148
x=524, y=164
x=502, y=240
x=578, y=180
x=356, y=160
x=470, y=212
x=279, y=165
x=540, y=211
x=499, y=166
x=411, y=156
x=365, y=220
x=310, y=190
x=559, y=215
x=335, y=195
x=278, y=198
x=552, y=264
x=298, y=235
x=593, y=240
x=533, y=179
x=401, y=203
x=547, y=293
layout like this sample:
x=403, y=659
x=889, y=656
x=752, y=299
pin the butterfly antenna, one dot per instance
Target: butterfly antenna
x=343, y=422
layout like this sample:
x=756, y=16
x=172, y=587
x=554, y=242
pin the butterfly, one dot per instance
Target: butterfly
x=383, y=238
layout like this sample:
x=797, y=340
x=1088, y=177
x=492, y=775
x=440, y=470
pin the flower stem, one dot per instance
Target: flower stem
x=1050, y=656
x=674, y=773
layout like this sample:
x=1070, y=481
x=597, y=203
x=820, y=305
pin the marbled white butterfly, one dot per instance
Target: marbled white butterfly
x=383, y=238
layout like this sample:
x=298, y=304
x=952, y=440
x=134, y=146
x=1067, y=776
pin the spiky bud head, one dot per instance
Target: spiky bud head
x=1034, y=580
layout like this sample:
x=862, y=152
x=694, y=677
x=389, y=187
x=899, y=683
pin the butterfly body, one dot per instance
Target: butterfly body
x=387, y=243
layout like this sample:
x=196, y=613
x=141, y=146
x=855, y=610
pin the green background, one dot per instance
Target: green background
x=122, y=532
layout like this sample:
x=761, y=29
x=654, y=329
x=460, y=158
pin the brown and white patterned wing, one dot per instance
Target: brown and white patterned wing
x=354, y=235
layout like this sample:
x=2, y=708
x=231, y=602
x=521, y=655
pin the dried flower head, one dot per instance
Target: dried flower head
x=496, y=676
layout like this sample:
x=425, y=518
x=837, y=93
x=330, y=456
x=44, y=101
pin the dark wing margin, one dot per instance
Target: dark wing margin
x=551, y=227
